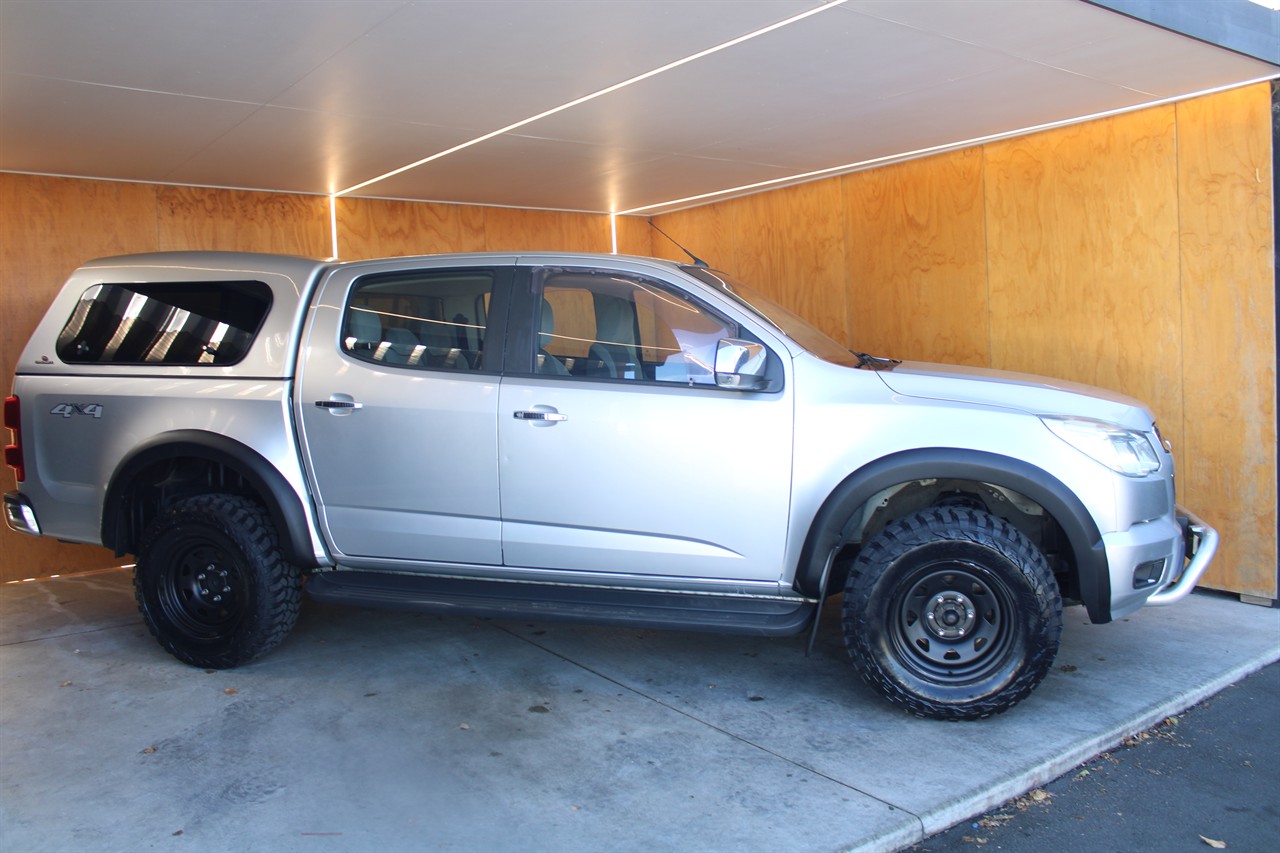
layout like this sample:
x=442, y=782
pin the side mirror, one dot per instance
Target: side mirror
x=741, y=365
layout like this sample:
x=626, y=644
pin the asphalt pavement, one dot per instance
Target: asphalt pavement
x=1209, y=776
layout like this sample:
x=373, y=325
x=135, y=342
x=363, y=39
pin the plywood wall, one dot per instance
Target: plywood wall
x=374, y=228
x=1135, y=253
x=1226, y=253
x=916, y=260
x=49, y=226
x=1082, y=235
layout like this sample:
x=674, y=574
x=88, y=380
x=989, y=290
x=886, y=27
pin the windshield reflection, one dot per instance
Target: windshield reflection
x=792, y=325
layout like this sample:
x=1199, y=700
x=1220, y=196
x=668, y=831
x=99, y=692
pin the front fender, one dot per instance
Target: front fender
x=832, y=526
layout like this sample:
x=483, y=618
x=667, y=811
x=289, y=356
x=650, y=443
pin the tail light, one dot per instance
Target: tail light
x=13, y=452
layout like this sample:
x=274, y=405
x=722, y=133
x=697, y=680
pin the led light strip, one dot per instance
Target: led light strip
x=803, y=177
x=333, y=227
x=591, y=97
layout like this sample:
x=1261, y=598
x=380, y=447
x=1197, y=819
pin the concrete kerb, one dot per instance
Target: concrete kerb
x=935, y=821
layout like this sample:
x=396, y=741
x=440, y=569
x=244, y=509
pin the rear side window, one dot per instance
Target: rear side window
x=185, y=323
x=428, y=319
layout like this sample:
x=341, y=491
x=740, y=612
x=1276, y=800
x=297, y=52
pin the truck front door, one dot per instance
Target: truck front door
x=619, y=452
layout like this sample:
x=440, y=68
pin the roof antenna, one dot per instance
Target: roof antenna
x=697, y=261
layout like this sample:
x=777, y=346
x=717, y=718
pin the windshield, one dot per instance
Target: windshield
x=797, y=328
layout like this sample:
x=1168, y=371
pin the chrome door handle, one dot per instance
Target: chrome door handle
x=541, y=416
x=338, y=404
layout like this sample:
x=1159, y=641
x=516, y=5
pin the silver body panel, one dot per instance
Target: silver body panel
x=625, y=484
x=72, y=460
x=642, y=479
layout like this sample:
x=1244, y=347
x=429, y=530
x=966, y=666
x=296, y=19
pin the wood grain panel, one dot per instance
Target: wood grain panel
x=634, y=236
x=1082, y=235
x=375, y=228
x=508, y=229
x=198, y=218
x=586, y=232
x=48, y=227
x=756, y=243
x=915, y=244
x=705, y=231
x=1227, y=468
x=791, y=248
x=380, y=228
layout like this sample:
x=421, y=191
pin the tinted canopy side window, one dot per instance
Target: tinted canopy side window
x=618, y=326
x=181, y=323
x=424, y=319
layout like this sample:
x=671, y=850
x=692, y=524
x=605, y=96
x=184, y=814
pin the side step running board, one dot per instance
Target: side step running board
x=769, y=617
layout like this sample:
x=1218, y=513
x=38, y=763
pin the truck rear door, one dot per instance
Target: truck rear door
x=396, y=403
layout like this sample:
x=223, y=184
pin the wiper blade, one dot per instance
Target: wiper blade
x=875, y=362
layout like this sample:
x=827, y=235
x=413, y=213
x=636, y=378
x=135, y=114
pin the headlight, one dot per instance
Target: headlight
x=1122, y=450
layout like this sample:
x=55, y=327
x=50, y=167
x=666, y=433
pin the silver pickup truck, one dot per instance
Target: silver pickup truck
x=617, y=440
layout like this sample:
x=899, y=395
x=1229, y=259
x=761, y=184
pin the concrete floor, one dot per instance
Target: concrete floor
x=369, y=730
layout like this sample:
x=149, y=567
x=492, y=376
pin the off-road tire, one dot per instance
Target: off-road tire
x=952, y=613
x=212, y=584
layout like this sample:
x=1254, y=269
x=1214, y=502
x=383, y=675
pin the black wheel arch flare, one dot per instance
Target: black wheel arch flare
x=275, y=493
x=830, y=528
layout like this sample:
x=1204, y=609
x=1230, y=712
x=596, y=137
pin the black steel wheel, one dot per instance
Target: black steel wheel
x=212, y=584
x=952, y=613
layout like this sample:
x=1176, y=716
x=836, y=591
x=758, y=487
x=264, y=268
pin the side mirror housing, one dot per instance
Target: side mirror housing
x=741, y=365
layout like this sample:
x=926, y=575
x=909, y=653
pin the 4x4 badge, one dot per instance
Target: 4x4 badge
x=93, y=410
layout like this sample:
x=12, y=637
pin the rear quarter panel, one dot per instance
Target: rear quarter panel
x=72, y=456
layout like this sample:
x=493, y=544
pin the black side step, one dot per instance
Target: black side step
x=727, y=614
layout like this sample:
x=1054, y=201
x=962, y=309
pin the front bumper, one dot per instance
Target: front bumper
x=19, y=515
x=1158, y=561
x=1201, y=543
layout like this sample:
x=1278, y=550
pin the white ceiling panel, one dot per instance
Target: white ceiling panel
x=813, y=71
x=323, y=95
x=239, y=50
x=68, y=128
x=1028, y=29
x=484, y=65
x=306, y=151
x=1152, y=61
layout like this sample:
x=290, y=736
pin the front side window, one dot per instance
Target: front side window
x=423, y=319
x=174, y=323
x=616, y=326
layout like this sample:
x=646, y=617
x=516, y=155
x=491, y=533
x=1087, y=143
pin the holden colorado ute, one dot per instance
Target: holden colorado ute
x=609, y=439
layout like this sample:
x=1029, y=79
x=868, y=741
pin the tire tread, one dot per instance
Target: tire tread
x=955, y=524
x=245, y=522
